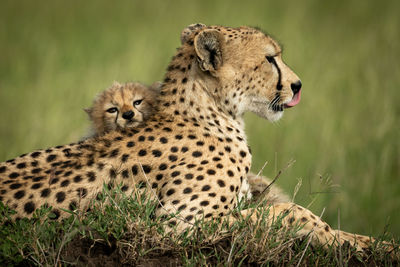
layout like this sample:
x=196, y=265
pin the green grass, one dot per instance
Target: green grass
x=56, y=55
x=120, y=230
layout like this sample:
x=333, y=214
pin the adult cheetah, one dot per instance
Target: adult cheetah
x=192, y=152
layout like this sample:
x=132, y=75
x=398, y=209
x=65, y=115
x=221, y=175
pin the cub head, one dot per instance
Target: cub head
x=122, y=106
x=246, y=67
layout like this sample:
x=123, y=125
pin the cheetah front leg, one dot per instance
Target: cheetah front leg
x=263, y=189
x=312, y=226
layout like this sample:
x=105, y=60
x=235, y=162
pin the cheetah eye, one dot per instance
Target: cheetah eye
x=112, y=110
x=137, y=102
x=270, y=59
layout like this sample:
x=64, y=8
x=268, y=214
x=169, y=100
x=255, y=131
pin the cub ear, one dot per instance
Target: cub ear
x=88, y=111
x=187, y=32
x=156, y=86
x=116, y=84
x=208, y=47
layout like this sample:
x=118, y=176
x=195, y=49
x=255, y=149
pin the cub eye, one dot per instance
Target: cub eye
x=112, y=110
x=137, y=102
x=270, y=59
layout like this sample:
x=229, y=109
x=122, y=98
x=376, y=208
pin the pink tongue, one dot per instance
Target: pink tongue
x=294, y=101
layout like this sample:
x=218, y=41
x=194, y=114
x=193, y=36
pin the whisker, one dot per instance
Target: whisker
x=274, y=103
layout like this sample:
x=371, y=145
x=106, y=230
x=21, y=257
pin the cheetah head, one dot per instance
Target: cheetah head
x=245, y=66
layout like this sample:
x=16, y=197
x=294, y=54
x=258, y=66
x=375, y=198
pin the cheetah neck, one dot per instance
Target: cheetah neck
x=189, y=93
x=190, y=100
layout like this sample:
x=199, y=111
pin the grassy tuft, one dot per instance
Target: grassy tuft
x=120, y=230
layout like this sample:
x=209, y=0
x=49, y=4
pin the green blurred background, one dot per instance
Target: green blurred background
x=56, y=55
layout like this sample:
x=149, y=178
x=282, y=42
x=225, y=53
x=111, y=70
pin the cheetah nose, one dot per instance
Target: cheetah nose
x=296, y=87
x=128, y=115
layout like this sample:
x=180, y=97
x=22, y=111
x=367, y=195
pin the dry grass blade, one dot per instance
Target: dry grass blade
x=64, y=240
x=262, y=168
x=340, y=244
x=297, y=188
x=42, y=251
x=266, y=189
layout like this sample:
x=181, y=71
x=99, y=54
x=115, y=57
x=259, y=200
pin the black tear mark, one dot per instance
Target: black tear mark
x=273, y=62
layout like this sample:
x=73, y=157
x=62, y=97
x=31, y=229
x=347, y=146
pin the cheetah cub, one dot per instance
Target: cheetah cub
x=122, y=106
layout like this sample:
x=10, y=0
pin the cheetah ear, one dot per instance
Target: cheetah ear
x=187, y=32
x=208, y=47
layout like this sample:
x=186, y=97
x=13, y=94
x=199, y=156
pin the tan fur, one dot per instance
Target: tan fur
x=122, y=97
x=262, y=189
x=192, y=152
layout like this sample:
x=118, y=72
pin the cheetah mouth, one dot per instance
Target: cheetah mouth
x=128, y=124
x=131, y=123
x=295, y=100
